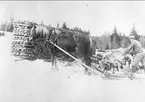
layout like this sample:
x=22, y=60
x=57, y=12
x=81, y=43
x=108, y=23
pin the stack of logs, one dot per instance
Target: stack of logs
x=21, y=46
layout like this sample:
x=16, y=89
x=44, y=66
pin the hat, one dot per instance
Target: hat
x=131, y=37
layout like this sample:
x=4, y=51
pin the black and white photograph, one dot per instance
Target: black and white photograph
x=72, y=51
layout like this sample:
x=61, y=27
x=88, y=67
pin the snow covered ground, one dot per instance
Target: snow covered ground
x=25, y=81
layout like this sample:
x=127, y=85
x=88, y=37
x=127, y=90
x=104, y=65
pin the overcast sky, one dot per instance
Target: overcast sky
x=96, y=16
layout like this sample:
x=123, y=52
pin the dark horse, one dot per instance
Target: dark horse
x=69, y=41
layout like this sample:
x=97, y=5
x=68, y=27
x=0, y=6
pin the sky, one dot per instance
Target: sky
x=97, y=16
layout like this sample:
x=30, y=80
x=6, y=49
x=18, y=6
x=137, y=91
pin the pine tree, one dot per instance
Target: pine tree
x=105, y=38
x=10, y=25
x=114, y=43
x=134, y=33
x=115, y=38
x=64, y=26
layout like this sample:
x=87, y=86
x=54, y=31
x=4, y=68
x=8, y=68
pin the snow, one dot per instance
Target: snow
x=33, y=81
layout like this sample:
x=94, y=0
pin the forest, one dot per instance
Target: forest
x=105, y=41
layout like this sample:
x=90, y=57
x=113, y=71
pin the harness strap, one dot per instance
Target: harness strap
x=57, y=37
x=48, y=38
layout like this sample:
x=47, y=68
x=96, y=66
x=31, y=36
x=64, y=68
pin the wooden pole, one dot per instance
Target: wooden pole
x=77, y=59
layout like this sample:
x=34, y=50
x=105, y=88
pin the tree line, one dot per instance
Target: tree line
x=7, y=25
x=106, y=41
x=116, y=40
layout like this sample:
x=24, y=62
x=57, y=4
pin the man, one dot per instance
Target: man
x=137, y=51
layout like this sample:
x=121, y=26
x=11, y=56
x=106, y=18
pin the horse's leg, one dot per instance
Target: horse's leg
x=53, y=60
x=87, y=61
x=55, y=63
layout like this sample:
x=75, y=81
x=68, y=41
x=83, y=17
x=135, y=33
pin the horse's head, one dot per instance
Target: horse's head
x=38, y=31
x=53, y=33
x=30, y=25
x=32, y=32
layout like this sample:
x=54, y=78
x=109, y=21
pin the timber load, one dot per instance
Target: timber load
x=21, y=47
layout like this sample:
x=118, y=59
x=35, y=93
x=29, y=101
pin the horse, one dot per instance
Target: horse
x=69, y=41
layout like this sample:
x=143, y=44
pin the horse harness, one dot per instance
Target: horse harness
x=50, y=35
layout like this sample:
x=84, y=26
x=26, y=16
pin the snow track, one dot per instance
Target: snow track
x=26, y=81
